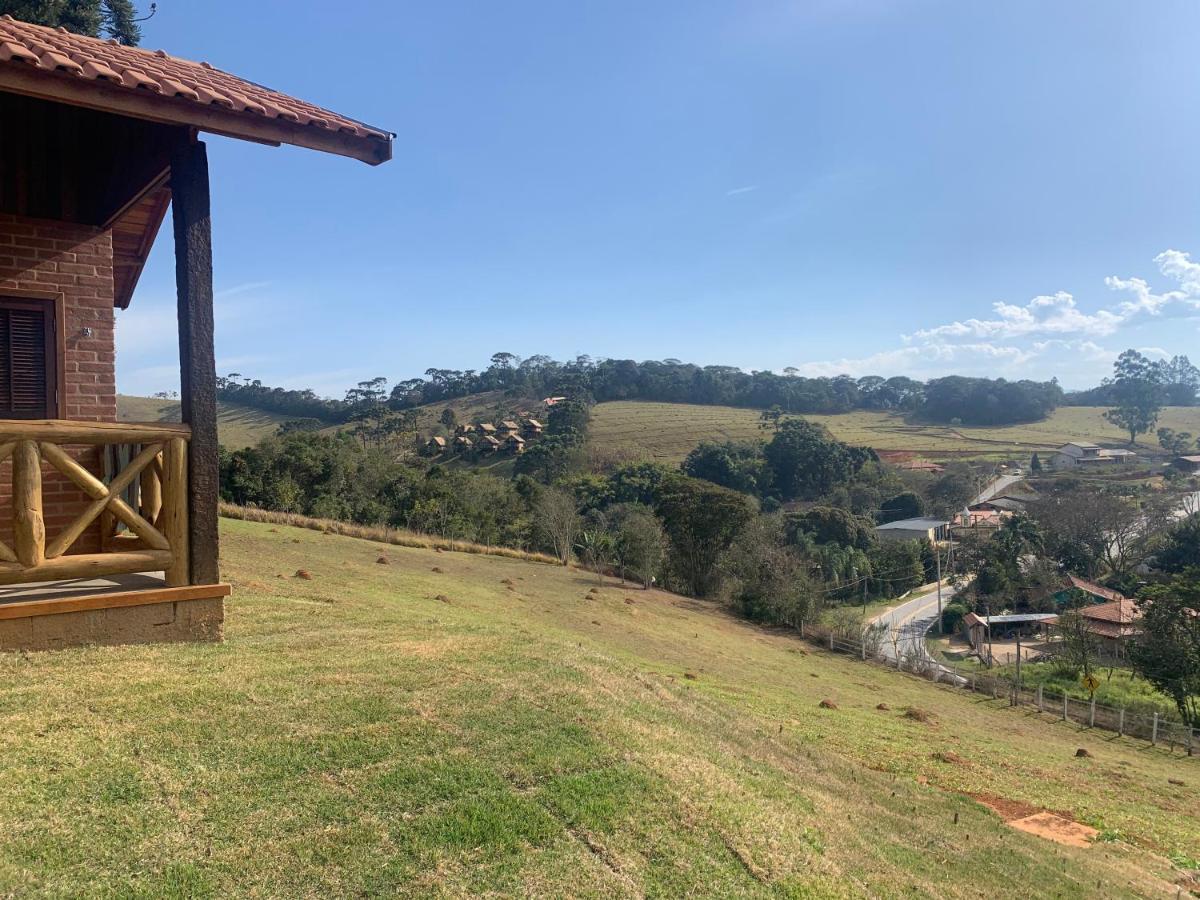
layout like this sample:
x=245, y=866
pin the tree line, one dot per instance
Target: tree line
x=949, y=400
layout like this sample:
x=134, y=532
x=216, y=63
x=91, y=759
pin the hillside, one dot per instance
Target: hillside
x=460, y=724
x=669, y=431
x=237, y=426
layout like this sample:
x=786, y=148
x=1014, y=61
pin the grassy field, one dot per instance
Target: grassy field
x=237, y=426
x=450, y=724
x=669, y=431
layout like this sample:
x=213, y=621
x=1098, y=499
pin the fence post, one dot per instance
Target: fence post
x=831, y=640
x=1039, y=700
x=1121, y=723
x=1065, y=717
x=1191, y=734
x=801, y=629
x=863, y=646
x=1092, y=713
x=1154, y=730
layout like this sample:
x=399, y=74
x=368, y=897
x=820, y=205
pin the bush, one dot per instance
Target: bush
x=952, y=617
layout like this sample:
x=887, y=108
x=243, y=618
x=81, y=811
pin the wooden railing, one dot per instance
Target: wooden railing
x=156, y=535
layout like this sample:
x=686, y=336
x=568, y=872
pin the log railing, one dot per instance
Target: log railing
x=156, y=535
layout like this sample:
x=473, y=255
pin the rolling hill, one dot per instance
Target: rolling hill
x=237, y=426
x=454, y=724
x=668, y=431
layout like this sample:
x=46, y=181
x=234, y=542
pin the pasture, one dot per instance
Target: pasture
x=667, y=432
x=452, y=724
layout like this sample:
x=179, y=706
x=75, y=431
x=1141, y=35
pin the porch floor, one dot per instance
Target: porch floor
x=81, y=587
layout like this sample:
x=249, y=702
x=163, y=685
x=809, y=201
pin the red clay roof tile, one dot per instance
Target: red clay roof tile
x=182, y=91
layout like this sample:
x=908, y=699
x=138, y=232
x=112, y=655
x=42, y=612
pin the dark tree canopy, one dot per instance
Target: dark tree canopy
x=95, y=18
x=805, y=461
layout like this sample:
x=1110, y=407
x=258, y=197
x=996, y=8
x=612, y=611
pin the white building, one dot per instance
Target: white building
x=1073, y=455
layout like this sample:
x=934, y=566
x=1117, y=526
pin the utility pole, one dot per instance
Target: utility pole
x=1018, y=661
x=937, y=555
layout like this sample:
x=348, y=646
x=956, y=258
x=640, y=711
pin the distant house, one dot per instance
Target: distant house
x=1097, y=593
x=487, y=428
x=550, y=401
x=1074, y=455
x=435, y=444
x=1190, y=464
x=515, y=443
x=921, y=529
x=982, y=515
x=465, y=429
x=463, y=443
x=1114, y=622
x=488, y=444
x=508, y=426
x=533, y=428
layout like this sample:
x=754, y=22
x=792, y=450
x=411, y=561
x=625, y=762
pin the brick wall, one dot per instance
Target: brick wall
x=42, y=256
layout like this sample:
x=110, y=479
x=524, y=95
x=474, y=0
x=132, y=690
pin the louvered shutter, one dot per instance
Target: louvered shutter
x=27, y=363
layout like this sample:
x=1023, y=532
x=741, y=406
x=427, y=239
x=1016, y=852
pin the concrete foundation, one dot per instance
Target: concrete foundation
x=151, y=623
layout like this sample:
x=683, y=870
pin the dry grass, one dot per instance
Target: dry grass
x=237, y=426
x=669, y=431
x=398, y=537
x=492, y=728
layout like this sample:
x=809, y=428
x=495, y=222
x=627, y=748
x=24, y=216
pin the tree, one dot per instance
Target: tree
x=116, y=19
x=1180, y=549
x=1167, y=654
x=1138, y=393
x=549, y=460
x=448, y=418
x=1080, y=645
x=953, y=489
x=738, y=466
x=907, y=505
x=701, y=520
x=595, y=548
x=556, y=518
x=640, y=545
x=1174, y=442
x=766, y=579
x=1035, y=464
x=805, y=461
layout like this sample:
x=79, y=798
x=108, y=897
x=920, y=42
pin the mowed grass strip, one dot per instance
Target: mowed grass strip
x=495, y=727
x=669, y=431
x=237, y=426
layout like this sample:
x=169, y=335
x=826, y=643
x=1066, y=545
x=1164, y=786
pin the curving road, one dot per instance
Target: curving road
x=908, y=622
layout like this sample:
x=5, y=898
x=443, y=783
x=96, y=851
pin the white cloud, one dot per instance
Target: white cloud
x=1051, y=332
x=741, y=190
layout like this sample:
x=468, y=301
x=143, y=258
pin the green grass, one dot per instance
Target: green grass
x=669, y=431
x=237, y=426
x=494, y=727
x=1118, y=687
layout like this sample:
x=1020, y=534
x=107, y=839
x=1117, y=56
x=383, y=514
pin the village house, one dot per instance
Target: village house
x=1075, y=455
x=108, y=531
x=507, y=427
x=462, y=443
x=514, y=443
x=532, y=428
x=920, y=529
x=982, y=631
x=1189, y=464
x=921, y=465
x=1114, y=623
x=464, y=429
x=1096, y=593
x=435, y=444
x=487, y=428
x=488, y=444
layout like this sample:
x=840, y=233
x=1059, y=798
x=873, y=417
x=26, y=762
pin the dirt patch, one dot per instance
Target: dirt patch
x=949, y=756
x=304, y=574
x=919, y=715
x=827, y=704
x=383, y=561
x=1008, y=810
x=1055, y=828
x=882, y=707
x=436, y=570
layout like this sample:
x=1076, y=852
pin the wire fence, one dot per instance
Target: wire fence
x=1159, y=729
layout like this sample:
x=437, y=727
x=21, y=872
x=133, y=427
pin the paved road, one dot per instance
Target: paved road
x=908, y=622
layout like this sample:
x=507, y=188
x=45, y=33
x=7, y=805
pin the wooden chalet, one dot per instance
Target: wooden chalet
x=462, y=443
x=487, y=428
x=532, y=428
x=488, y=444
x=515, y=443
x=108, y=531
x=435, y=444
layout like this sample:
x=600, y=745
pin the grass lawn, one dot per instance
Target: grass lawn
x=453, y=724
x=669, y=431
x=1118, y=687
x=237, y=426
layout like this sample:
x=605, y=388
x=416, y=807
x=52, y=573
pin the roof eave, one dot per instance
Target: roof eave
x=61, y=88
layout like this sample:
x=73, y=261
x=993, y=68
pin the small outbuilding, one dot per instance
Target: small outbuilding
x=1189, y=464
x=920, y=529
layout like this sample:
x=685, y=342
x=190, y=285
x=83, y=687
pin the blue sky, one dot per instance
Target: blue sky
x=859, y=186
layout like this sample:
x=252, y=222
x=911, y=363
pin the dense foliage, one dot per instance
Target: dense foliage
x=970, y=401
x=116, y=19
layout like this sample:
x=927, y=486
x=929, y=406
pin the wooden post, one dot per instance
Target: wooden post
x=1065, y=706
x=150, y=491
x=1121, y=723
x=175, y=511
x=29, y=527
x=1154, y=731
x=1092, y=713
x=1039, y=700
x=197, y=364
